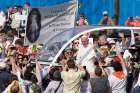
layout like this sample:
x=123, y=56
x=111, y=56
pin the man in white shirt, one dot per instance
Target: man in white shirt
x=117, y=79
x=15, y=18
x=86, y=54
x=2, y=20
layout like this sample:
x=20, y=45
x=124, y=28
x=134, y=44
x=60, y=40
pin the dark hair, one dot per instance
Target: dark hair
x=96, y=63
x=98, y=71
x=71, y=63
x=14, y=77
x=87, y=76
x=82, y=14
x=27, y=3
x=57, y=76
x=7, y=7
x=19, y=7
x=19, y=42
x=14, y=32
x=27, y=75
x=117, y=66
x=105, y=15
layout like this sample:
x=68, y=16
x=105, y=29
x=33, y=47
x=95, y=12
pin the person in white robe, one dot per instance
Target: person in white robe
x=86, y=54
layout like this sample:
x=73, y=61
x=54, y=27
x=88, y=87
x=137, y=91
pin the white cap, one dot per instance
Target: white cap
x=110, y=41
x=105, y=13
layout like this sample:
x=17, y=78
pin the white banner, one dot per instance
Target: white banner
x=46, y=22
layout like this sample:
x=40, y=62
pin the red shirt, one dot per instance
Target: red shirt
x=119, y=74
x=137, y=23
x=129, y=23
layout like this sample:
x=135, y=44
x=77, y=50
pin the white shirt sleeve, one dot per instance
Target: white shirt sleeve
x=20, y=79
x=44, y=72
x=89, y=88
x=110, y=80
x=138, y=82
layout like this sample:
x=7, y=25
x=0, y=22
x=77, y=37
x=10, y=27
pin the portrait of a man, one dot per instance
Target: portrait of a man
x=33, y=25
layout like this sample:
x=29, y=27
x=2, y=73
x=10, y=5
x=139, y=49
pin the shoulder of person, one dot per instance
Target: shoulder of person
x=63, y=72
x=110, y=20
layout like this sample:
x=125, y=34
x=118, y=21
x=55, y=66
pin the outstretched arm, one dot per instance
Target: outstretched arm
x=123, y=64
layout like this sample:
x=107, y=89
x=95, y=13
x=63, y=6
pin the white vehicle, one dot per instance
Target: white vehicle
x=54, y=47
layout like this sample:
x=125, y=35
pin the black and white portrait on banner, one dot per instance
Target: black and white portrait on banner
x=33, y=25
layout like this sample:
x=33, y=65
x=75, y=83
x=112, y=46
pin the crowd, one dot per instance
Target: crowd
x=98, y=62
x=106, y=20
x=93, y=63
x=14, y=18
x=133, y=22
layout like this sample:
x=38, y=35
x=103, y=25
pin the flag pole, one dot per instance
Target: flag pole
x=54, y=60
x=76, y=13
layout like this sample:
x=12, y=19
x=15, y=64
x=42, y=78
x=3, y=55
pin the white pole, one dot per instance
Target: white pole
x=132, y=38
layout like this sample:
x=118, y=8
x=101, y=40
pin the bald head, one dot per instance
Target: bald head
x=87, y=34
x=84, y=40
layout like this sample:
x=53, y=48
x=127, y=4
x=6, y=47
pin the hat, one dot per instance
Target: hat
x=57, y=75
x=110, y=41
x=105, y=13
x=117, y=59
x=67, y=49
x=2, y=65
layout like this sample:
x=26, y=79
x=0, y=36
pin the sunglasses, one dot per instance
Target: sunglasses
x=105, y=15
x=68, y=52
x=22, y=57
x=76, y=42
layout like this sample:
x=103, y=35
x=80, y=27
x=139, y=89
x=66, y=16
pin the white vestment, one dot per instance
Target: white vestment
x=86, y=56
